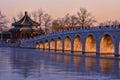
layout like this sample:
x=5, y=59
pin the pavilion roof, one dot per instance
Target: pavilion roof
x=25, y=21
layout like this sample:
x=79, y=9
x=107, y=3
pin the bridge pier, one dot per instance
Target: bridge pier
x=43, y=45
x=62, y=45
x=98, y=47
x=48, y=45
x=83, y=45
x=55, y=45
x=72, y=47
x=116, y=44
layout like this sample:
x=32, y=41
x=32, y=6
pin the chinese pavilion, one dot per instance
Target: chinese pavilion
x=26, y=28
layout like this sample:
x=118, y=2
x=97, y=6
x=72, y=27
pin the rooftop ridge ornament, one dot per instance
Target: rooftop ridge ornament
x=25, y=21
x=26, y=13
x=25, y=28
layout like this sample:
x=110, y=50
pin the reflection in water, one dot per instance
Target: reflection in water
x=90, y=63
x=52, y=57
x=28, y=64
x=23, y=62
x=77, y=61
x=67, y=59
x=59, y=58
x=106, y=65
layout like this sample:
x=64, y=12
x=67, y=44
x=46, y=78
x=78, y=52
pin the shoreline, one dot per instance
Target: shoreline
x=9, y=45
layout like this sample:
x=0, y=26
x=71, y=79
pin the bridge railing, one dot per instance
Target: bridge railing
x=85, y=29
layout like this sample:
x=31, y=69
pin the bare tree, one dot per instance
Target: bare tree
x=40, y=15
x=106, y=23
x=67, y=19
x=3, y=21
x=70, y=20
x=85, y=19
x=47, y=22
x=14, y=19
x=54, y=26
x=109, y=23
x=34, y=15
x=57, y=24
x=115, y=23
x=74, y=20
x=20, y=15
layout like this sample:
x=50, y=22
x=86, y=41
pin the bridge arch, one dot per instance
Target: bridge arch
x=107, y=44
x=52, y=44
x=46, y=45
x=36, y=45
x=77, y=44
x=41, y=45
x=67, y=44
x=59, y=44
x=90, y=44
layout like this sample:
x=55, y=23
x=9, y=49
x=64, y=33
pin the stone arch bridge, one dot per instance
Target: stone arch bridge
x=94, y=40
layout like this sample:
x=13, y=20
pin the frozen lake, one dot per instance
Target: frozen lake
x=31, y=64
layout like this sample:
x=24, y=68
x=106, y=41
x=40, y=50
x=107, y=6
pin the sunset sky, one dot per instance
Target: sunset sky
x=101, y=9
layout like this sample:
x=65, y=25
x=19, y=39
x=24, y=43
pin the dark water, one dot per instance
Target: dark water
x=30, y=64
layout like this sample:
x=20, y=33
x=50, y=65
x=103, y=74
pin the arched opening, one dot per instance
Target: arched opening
x=77, y=44
x=67, y=44
x=52, y=45
x=37, y=45
x=90, y=46
x=41, y=45
x=59, y=44
x=106, y=45
x=46, y=45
